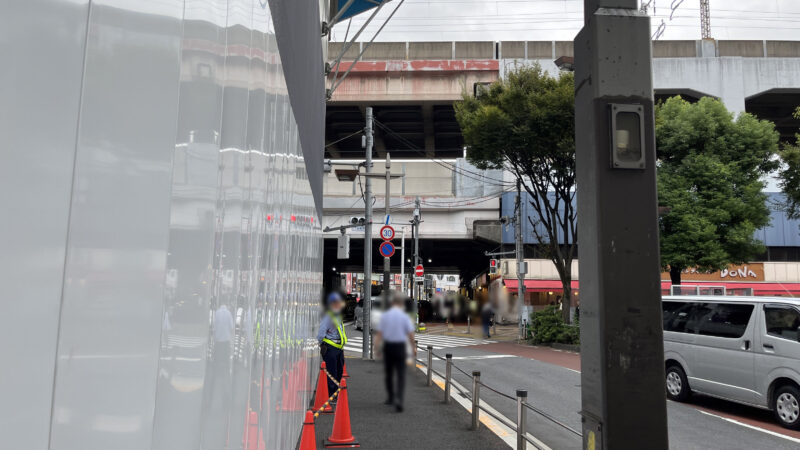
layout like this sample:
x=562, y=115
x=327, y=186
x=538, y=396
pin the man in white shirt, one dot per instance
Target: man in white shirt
x=395, y=330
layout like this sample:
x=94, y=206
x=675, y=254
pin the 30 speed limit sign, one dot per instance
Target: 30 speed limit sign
x=387, y=233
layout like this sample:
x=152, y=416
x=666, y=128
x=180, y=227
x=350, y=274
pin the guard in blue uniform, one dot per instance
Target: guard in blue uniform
x=332, y=338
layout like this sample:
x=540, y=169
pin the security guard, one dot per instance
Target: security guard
x=332, y=338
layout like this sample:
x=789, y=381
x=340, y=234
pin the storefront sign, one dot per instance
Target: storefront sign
x=744, y=272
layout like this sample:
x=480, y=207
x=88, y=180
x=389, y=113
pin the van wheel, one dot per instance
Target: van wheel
x=787, y=406
x=677, y=384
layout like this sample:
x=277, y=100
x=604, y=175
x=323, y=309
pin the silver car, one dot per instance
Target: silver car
x=375, y=313
x=742, y=349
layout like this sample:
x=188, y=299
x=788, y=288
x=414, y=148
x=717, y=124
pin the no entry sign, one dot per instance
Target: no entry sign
x=386, y=249
x=419, y=270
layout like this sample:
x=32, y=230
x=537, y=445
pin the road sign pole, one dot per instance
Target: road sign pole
x=415, y=235
x=366, y=346
x=387, y=261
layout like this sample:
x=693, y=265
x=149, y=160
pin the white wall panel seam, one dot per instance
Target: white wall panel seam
x=168, y=223
x=69, y=219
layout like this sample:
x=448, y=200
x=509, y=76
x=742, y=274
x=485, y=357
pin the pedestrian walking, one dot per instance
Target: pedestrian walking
x=486, y=318
x=332, y=338
x=395, y=330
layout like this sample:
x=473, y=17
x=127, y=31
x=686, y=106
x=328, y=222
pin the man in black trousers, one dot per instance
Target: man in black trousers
x=396, y=331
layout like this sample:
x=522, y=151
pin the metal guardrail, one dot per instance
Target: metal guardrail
x=521, y=399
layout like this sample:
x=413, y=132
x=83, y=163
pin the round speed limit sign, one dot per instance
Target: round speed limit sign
x=387, y=233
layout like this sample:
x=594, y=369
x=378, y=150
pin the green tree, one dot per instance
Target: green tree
x=789, y=175
x=710, y=167
x=525, y=123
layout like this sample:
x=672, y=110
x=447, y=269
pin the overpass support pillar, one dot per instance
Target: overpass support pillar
x=622, y=379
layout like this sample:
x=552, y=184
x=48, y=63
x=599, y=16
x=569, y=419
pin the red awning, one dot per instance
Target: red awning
x=764, y=289
x=538, y=285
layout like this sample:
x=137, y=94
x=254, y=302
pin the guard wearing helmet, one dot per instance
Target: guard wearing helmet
x=332, y=338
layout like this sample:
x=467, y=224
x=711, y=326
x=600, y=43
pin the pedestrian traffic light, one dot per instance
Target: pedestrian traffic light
x=493, y=263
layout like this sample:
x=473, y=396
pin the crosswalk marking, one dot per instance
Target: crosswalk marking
x=438, y=342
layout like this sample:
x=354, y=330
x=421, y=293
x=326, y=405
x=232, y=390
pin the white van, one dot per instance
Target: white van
x=743, y=349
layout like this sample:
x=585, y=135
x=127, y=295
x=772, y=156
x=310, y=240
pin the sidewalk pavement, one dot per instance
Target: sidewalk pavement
x=426, y=422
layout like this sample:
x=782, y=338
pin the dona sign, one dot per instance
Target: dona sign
x=744, y=272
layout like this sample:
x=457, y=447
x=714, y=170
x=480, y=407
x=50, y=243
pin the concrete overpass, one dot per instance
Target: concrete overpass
x=412, y=84
x=412, y=87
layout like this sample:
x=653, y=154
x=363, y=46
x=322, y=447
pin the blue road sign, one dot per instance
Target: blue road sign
x=386, y=249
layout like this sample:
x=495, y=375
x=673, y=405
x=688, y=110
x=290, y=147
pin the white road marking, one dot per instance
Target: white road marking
x=484, y=357
x=752, y=427
x=436, y=341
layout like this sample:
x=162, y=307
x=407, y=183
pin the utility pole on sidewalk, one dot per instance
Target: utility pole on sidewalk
x=622, y=348
x=415, y=234
x=366, y=346
x=522, y=266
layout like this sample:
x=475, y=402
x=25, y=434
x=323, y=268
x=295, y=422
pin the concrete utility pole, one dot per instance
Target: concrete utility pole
x=521, y=265
x=366, y=346
x=387, y=263
x=622, y=376
x=403, y=261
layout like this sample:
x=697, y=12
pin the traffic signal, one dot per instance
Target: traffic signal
x=357, y=221
x=493, y=263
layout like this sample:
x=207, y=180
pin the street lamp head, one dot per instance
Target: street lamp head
x=566, y=63
x=346, y=174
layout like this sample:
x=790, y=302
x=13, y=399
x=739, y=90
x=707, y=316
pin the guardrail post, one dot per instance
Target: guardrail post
x=469, y=327
x=476, y=398
x=448, y=374
x=522, y=397
x=430, y=365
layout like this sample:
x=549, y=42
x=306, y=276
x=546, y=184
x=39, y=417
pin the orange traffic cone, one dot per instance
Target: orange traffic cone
x=308, y=439
x=342, y=435
x=344, y=371
x=322, y=391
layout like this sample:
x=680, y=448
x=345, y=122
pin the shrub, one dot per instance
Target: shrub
x=547, y=327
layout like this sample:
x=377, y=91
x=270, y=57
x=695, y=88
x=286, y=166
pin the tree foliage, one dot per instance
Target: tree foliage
x=709, y=182
x=525, y=123
x=789, y=175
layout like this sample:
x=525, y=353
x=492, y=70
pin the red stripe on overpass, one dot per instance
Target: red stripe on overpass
x=467, y=65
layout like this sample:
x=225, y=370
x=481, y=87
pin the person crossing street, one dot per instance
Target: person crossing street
x=332, y=338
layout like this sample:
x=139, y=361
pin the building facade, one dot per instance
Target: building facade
x=161, y=234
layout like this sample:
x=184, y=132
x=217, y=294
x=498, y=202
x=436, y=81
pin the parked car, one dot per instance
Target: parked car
x=742, y=349
x=350, y=303
x=375, y=313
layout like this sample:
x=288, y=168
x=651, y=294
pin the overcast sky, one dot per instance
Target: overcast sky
x=560, y=20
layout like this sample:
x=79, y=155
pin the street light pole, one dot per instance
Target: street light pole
x=366, y=346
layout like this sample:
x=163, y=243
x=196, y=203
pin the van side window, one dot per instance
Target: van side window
x=676, y=316
x=782, y=321
x=726, y=320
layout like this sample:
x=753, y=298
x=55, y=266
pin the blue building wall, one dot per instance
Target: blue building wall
x=781, y=232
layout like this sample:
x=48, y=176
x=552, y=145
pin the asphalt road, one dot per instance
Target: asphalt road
x=556, y=391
